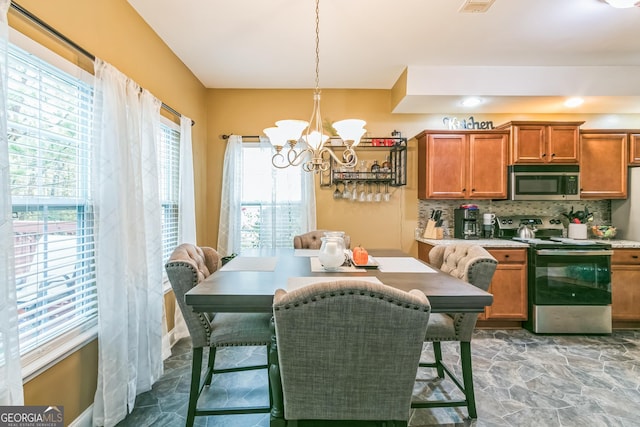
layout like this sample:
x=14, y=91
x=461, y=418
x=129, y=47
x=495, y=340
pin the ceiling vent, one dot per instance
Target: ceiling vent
x=475, y=6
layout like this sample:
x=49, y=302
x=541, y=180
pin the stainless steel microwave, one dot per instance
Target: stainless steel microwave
x=544, y=182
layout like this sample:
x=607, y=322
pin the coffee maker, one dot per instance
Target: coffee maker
x=465, y=223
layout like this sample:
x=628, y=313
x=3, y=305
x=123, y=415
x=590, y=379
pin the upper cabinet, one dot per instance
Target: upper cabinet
x=544, y=142
x=634, y=149
x=603, y=164
x=462, y=164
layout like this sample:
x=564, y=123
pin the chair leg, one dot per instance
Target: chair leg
x=196, y=367
x=467, y=377
x=210, y=362
x=437, y=354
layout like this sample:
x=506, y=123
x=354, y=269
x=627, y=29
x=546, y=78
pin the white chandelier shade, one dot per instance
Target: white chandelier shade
x=350, y=130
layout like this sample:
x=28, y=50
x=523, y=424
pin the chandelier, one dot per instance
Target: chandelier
x=310, y=149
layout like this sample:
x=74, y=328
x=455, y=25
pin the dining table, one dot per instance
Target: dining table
x=248, y=282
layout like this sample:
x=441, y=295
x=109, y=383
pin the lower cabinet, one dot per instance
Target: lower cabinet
x=625, y=285
x=509, y=284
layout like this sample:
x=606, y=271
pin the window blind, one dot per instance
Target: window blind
x=271, y=200
x=48, y=128
x=169, y=168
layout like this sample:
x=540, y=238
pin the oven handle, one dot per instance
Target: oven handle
x=573, y=252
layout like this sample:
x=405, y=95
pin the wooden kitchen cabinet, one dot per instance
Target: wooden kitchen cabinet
x=603, y=164
x=544, y=142
x=625, y=285
x=508, y=286
x=634, y=149
x=462, y=165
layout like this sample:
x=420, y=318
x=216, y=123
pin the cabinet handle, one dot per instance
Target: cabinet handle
x=634, y=256
x=553, y=154
x=473, y=189
x=544, y=154
x=464, y=189
x=506, y=256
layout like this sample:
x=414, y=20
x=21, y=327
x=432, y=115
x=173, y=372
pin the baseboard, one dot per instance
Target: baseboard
x=85, y=419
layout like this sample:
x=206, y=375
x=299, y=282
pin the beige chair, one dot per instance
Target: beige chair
x=473, y=264
x=311, y=240
x=188, y=266
x=346, y=350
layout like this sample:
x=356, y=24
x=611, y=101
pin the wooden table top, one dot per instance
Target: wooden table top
x=252, y=291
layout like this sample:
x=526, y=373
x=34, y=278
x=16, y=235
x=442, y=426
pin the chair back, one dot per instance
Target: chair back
x=188, y=266
x=349, y=350
x=468, y=262
x=312, y=240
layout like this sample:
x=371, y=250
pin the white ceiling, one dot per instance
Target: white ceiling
x=521, y=56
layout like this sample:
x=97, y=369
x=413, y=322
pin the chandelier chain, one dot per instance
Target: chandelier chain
x=317, y=46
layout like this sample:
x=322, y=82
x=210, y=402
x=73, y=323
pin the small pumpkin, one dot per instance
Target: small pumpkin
x=360, y=255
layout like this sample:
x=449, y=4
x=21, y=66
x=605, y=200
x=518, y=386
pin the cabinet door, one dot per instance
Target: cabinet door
x=529, y=142
x=634, y=149
x=625, y=285
x=446, y=166
x=625, y=292
x=562, y=144
x=509, y=293
x=487, y=166
x=603, y=166
x=508, y=286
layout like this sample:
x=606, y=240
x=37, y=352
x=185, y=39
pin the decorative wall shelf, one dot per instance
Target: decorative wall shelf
x=395, y=175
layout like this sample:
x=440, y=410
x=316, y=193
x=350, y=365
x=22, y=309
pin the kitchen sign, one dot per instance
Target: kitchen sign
x=453, y=123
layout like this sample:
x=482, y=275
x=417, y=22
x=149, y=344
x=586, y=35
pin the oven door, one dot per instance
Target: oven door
x=571, y=277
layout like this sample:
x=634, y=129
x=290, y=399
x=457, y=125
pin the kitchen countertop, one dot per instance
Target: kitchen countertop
x=502, y=243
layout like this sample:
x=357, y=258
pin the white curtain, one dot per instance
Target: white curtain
x=187, y=215
x=128, y=242
x=231, y=198
x=10, y=371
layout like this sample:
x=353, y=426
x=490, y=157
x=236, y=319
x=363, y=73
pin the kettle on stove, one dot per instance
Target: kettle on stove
x=525, y=231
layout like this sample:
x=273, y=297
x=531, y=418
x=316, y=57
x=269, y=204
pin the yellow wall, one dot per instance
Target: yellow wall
x=380, y=225
x=113, y=31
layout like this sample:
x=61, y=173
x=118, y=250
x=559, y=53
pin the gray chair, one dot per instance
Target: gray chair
x=188, y=266
x=346, y=350
x=311, y=240
x=473, y=264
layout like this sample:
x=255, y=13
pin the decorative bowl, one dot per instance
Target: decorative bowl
x=603, y=231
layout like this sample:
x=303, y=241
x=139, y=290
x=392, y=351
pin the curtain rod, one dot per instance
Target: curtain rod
x=24, y=12
x=225, y=136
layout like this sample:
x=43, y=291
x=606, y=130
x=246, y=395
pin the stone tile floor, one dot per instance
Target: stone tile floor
x=521, y=379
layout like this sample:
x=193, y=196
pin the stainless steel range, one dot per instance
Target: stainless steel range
x=569, y=281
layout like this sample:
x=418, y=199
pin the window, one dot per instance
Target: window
x=272, y=200
x=169, y=171
x=48, y=129
x=49, y=133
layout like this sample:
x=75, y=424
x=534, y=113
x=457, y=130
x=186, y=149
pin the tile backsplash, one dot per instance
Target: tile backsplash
x=601, y=209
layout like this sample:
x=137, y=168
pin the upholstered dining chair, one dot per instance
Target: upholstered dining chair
x=473, y=264
x=311, y=240
x=186, y=268
x=346, y=350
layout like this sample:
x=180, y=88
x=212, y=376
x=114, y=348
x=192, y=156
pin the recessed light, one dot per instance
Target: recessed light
x=573, y=102
x=472, y=101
